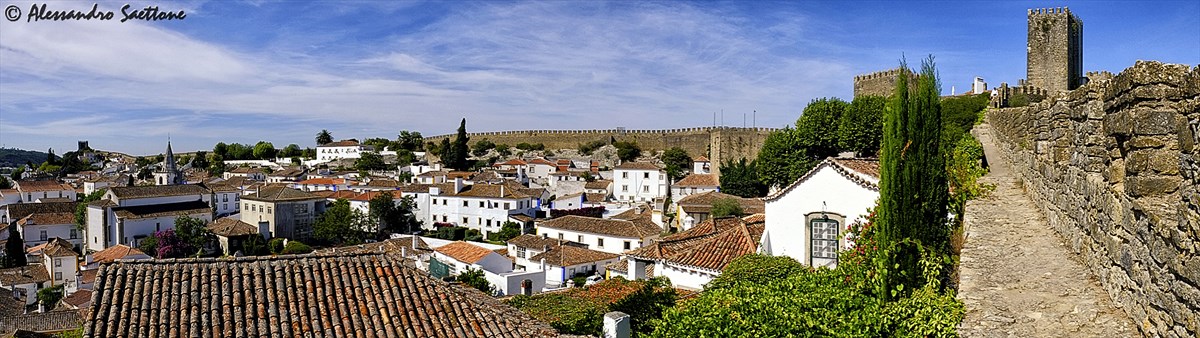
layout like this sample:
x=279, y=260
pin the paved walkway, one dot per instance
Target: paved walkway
x=1017, y=278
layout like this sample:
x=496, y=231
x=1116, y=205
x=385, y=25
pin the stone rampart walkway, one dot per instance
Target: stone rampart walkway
x=1017, y=277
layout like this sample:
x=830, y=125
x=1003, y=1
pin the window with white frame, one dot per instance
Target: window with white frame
x=824, y=238
x=42, y=235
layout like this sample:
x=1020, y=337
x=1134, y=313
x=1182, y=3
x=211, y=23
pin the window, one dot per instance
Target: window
x=465, y=203
x=625, y=188
x=506, y=206
x=443, y=201
x=645, y=175
x=58, y=275
x=580, y=238
x=560, y=236
x=268, y=209
x=824, y=238
x=224, y=198
x=627, y=245
x=235, y=205
x=74, y=234
x=465, y=221
x=42, y=235
x=545, y=235
x=58, y=263
x=489, y=223
x=625, y=175
x=520, y=252
x=480, y=204
x=645, y=188
x=599, y=242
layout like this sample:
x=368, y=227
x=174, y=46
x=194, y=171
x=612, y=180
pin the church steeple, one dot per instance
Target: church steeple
x=170, y=164
x=170, y=174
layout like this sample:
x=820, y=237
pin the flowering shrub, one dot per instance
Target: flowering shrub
x=581, y=310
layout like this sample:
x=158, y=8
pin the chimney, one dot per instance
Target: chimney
x=502, y=190
x=458, y=184
x=616, y=325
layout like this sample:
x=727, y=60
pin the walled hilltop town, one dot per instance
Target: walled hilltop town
x=1066, y=205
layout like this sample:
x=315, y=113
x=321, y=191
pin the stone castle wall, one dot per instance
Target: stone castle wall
x=880, y=83
x=1055, y=49
x=717, y=143
x=1115, y=166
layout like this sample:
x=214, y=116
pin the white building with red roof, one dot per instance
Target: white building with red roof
x=333, y=151
x=640, y=182
x=806, y=219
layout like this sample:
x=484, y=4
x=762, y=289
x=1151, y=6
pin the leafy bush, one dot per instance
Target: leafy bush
x=727, y=207
x=628, y=151
x=756, y=269
x=49, y=296
x=295, y=247
x=588, y=148
x=482, y=147
x=580, y=311
x=475, y=279
x=527, y=146
x=275, y=245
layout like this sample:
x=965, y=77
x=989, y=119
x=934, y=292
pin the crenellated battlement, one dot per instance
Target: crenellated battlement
x=1048, y=10
x=890, y=73
x=614, y=132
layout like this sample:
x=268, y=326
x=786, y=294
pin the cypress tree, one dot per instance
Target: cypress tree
x=913, y=189
x=460, y=149
x=14, y=249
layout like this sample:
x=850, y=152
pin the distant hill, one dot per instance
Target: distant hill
x=12, y=157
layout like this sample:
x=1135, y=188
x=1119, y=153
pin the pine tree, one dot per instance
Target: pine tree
x=913, y=190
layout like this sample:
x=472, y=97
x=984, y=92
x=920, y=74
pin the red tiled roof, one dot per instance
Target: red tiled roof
x=48, y=218
x=323, y=181
x=342, y=143
x=638, y=166
x=699, y=180
x=229, y=227
x=613, y=227
x=702, y=202
x=114, y=253
x=294, y=296
x=464, y=252
x=710, y=245
x=597, y=184
x=80, y=298
x=43, y=186
x=512, y=162
x=700, y=159
x=567, y=255
x=278, y=194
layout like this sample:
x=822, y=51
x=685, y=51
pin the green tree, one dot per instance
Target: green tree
x=456, y=156
x=49, y=296
x=481, y=147
x=275, y=245
x=817, y=127
x=913, y=191
x=782, y=159
x=341, y=224
x=296, y=248
x=474, y=278
x=221, y=149
x=291, y=150
x=254, y=246
x=627, y=151
x=727, y=207
x=504, y=150
x=201, y=160
x=741, y=179
x=149, y=245
x=218, y=165
x=194, y=232
x=588, y=148
x=508, y=231
x=50, y=158
x=16, y=173
x=324, y=137
x=405, y=157
x=861, y=127
x=81, y=207
x=264, y=150
x=5, y=183
x=370, y=161
x=678, y=162
x=411, y=140
x=14, y=249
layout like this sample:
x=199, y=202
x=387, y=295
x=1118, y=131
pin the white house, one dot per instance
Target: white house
x=538, y=170
x=607, y=235
x=39, y=228
x=640, y=181
x=461, y=255
x=282, y=212
x=62, y=265
x=226, y=198
x=696, y=208
x=805, y=219
x=341, y=149
x=695, y=184
x=24, y=282
x=483, y=207
x=126, y=215
x=252, y=173
x=692, y=258
x=701, y=165
x=32, y=191
x=322, y=183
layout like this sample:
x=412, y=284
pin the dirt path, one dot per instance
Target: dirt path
x=1017, y=277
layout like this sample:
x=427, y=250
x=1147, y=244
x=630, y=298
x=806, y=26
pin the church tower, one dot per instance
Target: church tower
x=169, y=175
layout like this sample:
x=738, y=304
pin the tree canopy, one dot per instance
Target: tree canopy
x=726, y=207
x=817, y=127
x=861, y=127
x=341, y=224
x=741, y=179
x=627, y=150
x=368, y=161
x=678, y=162
x=454, y=155
x=782, y=159
x=264, y=150
x=324, y=137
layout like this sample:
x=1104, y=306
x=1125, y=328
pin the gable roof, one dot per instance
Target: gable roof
x=464, y=252
x=20, y=210
x=229, y=227
x=699, y=180
x=279, y=194
x=700, y=159
x=160, y=210
x=157, y=191
x=702, y=202
x=861, y=171
x=48, y=218
x=568, y=255
x=638, y=166
x=342, y=143
x=58, y=247
x=42, y=186
x=612, y=227
x=113, y=253
x=32, y=273
x=294, y=296
x=597, y=184
x=396, y=246
x=710, y=245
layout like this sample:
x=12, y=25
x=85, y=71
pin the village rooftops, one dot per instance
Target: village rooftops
x=279, y=194
x=702, y=202
x=597, y=184
x=567, y=255
x=48, y=218
x=161, y=210
x=58, y=247
x=699, y=180
x=611, y=227
x=229, y=227
x=113, y=253
x=710, y=245
x=324, y=181
x=700, y=159
x=26, y=186
x=638, y=166
x=20, y=210
x=492, y=191
x=29, y=274
x=294, y=296
x=396, y=246
x=53, y=321
x=158, y=191
x=464, y=252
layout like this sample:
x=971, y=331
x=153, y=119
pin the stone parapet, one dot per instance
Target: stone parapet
x=1115, y=167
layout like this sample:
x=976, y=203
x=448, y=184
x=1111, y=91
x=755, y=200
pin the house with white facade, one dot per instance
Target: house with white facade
x=539, y=170
x=32, y=191
x=483, y=207
x=62, y=265
x=252, y=173
x=696, y=208
x=323, y=183
x=10, y=214
x=287, y=175
x=695, y=184
x=607, y=235
x=282, y=212
x=701, y=165
x=341, y=149
x=805, y=219
x=40, y=228
x=24, y=282
x=640, y=182
x=226, y=198
x=563, y=262
x=126, y=215
x=692, y=258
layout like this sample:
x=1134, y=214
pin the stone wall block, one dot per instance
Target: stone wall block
x=1151, y=185
x=1154, y=122
x=1118, y=124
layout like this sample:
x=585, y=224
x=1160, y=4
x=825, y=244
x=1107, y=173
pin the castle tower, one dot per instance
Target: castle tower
x=1054, y=58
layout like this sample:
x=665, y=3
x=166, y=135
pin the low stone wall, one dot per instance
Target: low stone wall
x=1115, y=167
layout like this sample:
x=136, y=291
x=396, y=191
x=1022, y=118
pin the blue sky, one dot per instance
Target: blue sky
x=281, y=71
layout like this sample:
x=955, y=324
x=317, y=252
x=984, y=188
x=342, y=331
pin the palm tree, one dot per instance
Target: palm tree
x=324, y=137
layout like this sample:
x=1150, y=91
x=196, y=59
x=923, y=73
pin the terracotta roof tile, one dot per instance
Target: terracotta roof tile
x=700, y=159
x=863, y=171
x=53, y=321
x=79, y=299
x=613, y=227
x=323, y=181
x=393, y=246
x=568, y=255
x=20, y=210
x=279, y=194
x=116, y=252
x=464, y=252
x=32, y=273
x=702, y=202
x=48, y=218
x=292, y=296
x=342, y=143
x=160, y=210
x=597, y=184
x=43, y=186
x=710, y=245
x=58, y=247
x=699, y=180
x=230, y=227
x=864, y=166
x=158, y=191
x=638, y=166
